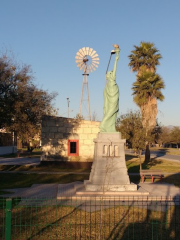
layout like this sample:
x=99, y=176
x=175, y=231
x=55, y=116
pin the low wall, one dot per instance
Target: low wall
x=7, y=150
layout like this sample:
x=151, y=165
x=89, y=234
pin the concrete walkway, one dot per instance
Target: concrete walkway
x=20, y=161
x=35, y=191
x=74, y=191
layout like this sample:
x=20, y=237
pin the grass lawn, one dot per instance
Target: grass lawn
x=69, y=222
x=171, y=151
x=16, y=180
x=113, y=222
x=19, y=180
x=133, y=165
x=40, y=168
x=131, y=162
x=164, y=165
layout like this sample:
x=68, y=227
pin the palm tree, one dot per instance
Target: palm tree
x=148, y=85
x=146, y=91
x=147, y=55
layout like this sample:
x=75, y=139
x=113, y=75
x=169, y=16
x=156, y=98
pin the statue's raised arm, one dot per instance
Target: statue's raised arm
x=111, y=98
x=117, y=51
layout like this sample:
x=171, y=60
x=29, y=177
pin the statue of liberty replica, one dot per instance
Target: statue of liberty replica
x=111, y=99
x=109, y=171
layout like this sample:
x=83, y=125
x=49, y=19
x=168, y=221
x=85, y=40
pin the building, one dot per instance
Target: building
x=8, y=142
x=67, y=139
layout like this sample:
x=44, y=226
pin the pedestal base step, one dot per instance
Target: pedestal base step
x=111, y=187
x=77, y=191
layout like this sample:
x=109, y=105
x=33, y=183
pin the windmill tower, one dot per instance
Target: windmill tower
x=87, y=60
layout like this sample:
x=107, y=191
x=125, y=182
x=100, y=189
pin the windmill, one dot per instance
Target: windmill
x=87, y=60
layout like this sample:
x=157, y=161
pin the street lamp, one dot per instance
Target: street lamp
x=68, y=106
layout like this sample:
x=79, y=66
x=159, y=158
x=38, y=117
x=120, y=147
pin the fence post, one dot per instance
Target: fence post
x=8, y=219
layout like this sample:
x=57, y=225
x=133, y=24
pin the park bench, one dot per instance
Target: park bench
x=156, y=173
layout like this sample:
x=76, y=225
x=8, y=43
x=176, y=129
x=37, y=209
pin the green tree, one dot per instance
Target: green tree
x=22, y=103
x=131, y=128
x=175, y=136
x=79, y=117
x=164, y=137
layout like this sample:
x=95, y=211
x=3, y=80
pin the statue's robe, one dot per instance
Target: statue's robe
x=111, y=106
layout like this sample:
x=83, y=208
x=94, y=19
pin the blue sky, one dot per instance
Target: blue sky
x=47, y=34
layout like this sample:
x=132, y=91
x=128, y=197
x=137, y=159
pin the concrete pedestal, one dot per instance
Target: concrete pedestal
x=109, y=171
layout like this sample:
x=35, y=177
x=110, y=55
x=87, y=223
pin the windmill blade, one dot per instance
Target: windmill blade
x=81, y=68
x=81, y=52
x=84, y=50
x=87, y=50
x=80, y=64
x=78, y=57
x=93, y=64
x=96, y=55
x=90, y=68
x=93, y=52
x=78, y=61
x=93, y=67
x=90, y=51
x=95, y=59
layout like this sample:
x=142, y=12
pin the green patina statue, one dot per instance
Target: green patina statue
x=111, y=99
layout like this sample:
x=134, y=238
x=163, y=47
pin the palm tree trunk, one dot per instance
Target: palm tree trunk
x=149, y=113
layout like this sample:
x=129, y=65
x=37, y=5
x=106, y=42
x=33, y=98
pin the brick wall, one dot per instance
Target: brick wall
x=56, y=131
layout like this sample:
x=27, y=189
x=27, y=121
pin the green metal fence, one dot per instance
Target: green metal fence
x=125, y=219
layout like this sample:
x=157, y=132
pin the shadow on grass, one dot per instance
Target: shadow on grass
x=19, y=180
x=46, y=168
x=23, y=153
x=152, y=163
x=129, y=157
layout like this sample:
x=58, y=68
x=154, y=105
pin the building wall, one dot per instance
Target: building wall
x=56, y=131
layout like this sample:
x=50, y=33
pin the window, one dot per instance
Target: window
x=73, y=147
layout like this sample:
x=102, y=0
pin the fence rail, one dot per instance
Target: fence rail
x=125, y=219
